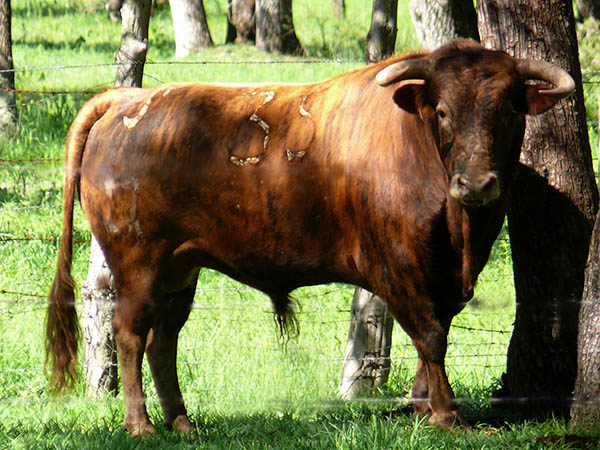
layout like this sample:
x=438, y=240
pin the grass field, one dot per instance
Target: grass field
x=242, y=389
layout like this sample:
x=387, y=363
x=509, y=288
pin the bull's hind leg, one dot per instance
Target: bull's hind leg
x=131, y=322
x=161, y=351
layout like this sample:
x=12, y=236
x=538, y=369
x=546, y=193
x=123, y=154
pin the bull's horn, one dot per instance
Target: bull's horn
x=409, y=69
x=540, y=70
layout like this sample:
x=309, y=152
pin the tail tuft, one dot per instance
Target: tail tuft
x=285, y=317
x=62, y=334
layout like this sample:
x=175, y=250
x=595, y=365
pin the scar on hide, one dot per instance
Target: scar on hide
x=131, y=122
x=242, y=162
x=298, y=155
x=254, y=117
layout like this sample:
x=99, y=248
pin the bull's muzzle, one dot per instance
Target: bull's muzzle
x=475, y=189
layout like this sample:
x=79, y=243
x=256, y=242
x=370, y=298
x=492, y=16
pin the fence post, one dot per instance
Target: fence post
x=99, y=349
x=367, y=362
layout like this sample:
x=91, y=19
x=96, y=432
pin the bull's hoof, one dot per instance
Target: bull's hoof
x=138, y=430
x=182, y=425
x=451, y=419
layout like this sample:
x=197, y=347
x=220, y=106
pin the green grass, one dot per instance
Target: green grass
x=242, y=389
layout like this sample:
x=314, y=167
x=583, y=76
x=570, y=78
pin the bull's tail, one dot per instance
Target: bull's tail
x=62, y=326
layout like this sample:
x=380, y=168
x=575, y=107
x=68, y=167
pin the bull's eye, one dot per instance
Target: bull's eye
x=441, y=112
x=445, y=129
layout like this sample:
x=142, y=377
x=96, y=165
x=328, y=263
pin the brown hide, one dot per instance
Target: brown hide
x=399, y=189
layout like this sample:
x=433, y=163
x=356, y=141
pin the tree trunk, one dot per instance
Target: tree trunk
x=588, y=8
x=551, y=211
x=585, y=411
x=275, y=27
x=99, y=350
x=339, y=8
x=242, y=19
x=439, y=21
x=381, y=38
x=8, y=109
x=100, y=354
x=367, y=361
x=131, y=57
x=190, y=26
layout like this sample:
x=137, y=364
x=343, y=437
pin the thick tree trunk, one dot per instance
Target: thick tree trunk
x=585, y=411
x=190, y=26
x=439, y=21
x=98, y=294
x=241, y=21
x=275, y=27
x=552, y=209
x=367, y=361
x=8, y=109
x=381, y=38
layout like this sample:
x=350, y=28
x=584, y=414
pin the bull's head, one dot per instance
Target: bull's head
x=475, y=101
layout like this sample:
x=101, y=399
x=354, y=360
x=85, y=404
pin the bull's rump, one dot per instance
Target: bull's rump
x=228, y=177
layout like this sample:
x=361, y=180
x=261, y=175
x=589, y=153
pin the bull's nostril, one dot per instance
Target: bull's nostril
x=462, y=181
x=489, y=183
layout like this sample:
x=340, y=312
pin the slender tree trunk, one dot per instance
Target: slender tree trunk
x=551, y=211
x=585, y=411
x=439, y=21
x=242, y=21
x=190, y=26
x=339, y=8
x=367, y=360
x=588, y=8
x=98, y=293
x=99, y=349
x=275, y=27
x=381, y=38
x=131, y=57
x=8, y=110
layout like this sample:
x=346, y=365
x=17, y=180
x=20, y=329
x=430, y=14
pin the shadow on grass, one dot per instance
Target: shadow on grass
x=355, y=426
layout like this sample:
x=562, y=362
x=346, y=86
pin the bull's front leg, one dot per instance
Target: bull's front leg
x=431, y=388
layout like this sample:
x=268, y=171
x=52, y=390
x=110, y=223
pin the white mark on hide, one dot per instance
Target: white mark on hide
x=303, y=111
x=242, y=162
x=294, y=155
x=131, y=122
x=109, y=186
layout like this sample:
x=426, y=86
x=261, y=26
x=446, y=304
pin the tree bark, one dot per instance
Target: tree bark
x=367, y=360
x=8, y=110
x=100, y=366
x=585, y=411
x=551, y=211
x=381, y=38
x=99, y=349
x=190, y=26
x=275, y=27
x=242, y=19
x=131, y=57
x=439, y=21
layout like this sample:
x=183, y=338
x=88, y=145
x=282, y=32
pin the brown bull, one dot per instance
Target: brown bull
x=393, y=177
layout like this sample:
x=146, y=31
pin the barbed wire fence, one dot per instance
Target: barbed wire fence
x=15, y=303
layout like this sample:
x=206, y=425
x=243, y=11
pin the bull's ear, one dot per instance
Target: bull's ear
x=537, y=101
x=410, y=95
